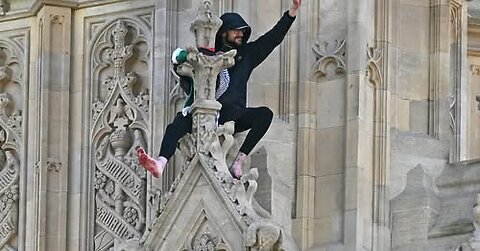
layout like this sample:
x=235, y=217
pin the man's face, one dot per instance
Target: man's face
x=234, y=37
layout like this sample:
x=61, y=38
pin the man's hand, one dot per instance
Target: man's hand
x=296, y=3
x=293, y=9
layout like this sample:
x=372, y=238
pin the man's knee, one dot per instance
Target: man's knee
x=265, y=114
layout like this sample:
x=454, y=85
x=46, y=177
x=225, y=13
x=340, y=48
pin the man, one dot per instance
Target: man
x=231, y=89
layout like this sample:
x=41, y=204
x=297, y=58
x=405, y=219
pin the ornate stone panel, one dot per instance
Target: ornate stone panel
x=12, y=84
x=120, y=105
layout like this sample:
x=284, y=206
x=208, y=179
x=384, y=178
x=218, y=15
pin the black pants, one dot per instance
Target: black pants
x=257, y=119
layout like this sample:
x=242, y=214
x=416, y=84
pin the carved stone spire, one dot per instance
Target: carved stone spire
x=205, y=25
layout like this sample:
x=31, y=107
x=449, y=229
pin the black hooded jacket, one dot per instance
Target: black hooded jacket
x=249, y=55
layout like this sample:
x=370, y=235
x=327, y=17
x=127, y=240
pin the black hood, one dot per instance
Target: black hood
x=231, y=21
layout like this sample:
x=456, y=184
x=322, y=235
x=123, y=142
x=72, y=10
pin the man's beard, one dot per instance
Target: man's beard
x=233, y=44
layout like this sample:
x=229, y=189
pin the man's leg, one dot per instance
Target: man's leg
x=258, y=120
x=177, y=129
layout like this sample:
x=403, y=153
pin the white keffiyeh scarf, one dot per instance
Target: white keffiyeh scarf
x=224, y=82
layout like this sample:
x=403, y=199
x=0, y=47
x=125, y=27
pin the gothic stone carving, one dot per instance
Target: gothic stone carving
x=120, y=119
x=9, y=177
x=327, y=54
x=261, y=233
x=208, y=242
x=204, y=236
x=11, y=85
x=475, y=69
x=224, y=139
x=375, y=57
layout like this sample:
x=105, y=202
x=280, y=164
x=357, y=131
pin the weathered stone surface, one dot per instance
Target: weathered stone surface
x=414, y=211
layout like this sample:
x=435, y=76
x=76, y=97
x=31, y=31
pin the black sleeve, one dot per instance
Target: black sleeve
x=264, y=45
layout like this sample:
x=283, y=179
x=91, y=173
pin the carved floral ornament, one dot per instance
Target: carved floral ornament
x=330, y=58
x=208, y=241
x=57, y=19
x=475, y=69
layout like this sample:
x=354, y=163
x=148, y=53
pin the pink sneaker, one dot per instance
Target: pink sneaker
x=236, y=172
x=236, y=167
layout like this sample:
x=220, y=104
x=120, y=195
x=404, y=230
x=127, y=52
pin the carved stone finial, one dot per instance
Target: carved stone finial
x=205, y=25
x=120, y=53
